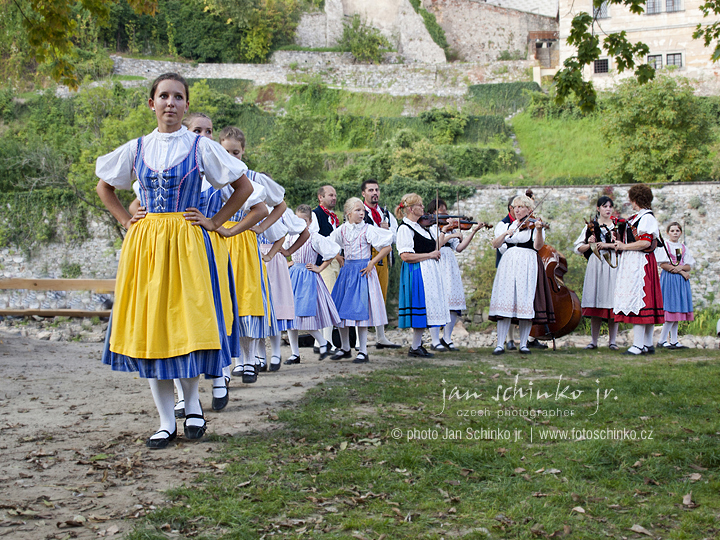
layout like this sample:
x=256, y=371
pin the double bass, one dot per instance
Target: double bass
x=566, y=305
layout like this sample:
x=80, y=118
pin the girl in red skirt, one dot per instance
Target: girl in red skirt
x=638, y=298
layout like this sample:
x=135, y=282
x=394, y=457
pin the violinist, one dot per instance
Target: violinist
x=599, y=286
x=423, y=302
x=514, y=288
x=638, y=298
x=450, y=272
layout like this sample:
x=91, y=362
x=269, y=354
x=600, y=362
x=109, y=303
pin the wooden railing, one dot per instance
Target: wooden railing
x=96, y=285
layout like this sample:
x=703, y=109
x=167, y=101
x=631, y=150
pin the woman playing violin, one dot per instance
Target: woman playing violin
x=638, y=298
x=450, y=271
x=599, y=285
x=513, y=293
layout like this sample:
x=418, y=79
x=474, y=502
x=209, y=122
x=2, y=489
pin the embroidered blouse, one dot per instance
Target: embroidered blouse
x=356, y=238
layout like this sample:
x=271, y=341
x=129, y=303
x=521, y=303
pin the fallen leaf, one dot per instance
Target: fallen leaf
x=640, y=529
x=697, y=467
x=539, y=494
x=553, y=471
x=519, y=470
x=651, y=481
x=343, y=445
x=694, y=477
x=578, y=509
x=687, y=499
x=637, y=464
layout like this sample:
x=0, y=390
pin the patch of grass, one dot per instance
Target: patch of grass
x=127, y=78
x=344, y=465
x=562, y=149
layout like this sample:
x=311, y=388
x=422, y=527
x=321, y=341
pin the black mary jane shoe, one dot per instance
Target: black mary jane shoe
x=629, y=352
x=510, y=346
x=261, y=365
x=275, y=366
x=361, y=358
x=249, y=377
x=420, y=352
x=340, y=354
x=324, y=351
x=159, y=444
x=387, y=346
x=536, y=344
x=195, y=432
x=237, y=371
x=294, y=359
x=218, y=404
x=649, y=349
x=449, y=346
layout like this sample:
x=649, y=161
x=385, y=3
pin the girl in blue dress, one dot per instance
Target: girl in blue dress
x=169, y=319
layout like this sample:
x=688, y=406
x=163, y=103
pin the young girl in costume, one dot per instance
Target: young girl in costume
x=638, y=299
x=281, y=291
x=452, y=277
x=169, y=319
x=676, y=262
x=599, y=285
x=357, y=293
x=256, y=315
x=314, y=307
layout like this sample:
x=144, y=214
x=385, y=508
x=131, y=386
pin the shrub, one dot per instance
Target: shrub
x=365, y=43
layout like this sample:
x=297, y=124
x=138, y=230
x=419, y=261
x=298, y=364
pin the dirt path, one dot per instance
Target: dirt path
x=74, y=462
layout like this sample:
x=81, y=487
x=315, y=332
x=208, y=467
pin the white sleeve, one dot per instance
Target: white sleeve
x=500, y=228
x=453, y=243
x=648, y=225
x=294, y=224
x=314, y=225
x=275, y=193
x=404, y=240
x=660, y=255
x=219, y=167
x=325, y=247
x=393, y=225
x=336, y=236
x=379, y=238
x=116, y=168
x=136, y=188
x=256, y=197
x=580, y=240
x=276, y=231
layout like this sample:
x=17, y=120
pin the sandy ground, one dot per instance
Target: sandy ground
x=72, y=436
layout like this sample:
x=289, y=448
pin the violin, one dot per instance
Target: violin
x=464, y=223
x=529, y=223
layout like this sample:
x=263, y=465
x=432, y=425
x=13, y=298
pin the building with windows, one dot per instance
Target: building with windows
x=666, y=27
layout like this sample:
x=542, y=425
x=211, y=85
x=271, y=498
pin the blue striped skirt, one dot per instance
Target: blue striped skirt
x=351, y=293
x=412, y=312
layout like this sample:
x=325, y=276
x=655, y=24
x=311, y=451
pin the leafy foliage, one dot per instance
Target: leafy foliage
x=446, y=124
x=365, y=43
x=434, y=29
x=503, y=98
x=660, y=131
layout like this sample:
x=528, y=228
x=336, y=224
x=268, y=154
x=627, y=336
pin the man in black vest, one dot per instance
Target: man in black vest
x=378, y=216
x=325, y=222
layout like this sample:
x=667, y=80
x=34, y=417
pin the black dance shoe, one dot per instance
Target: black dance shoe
x=159, y=444
x=195, y=432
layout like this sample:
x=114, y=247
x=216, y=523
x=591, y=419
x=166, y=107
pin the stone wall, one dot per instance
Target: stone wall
x=479, y=32
x=565, y=208
x=312, y=30
x=337, y=70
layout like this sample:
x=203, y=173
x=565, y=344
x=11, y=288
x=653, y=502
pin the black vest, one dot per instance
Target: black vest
x=420, y=243
x=325, y=227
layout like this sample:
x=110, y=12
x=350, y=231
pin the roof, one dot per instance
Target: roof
x=549, y=8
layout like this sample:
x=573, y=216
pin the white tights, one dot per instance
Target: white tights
x=164, y=397
x=362, y=334
x=669, y=332
x=503, y=326
x=293, y=337
x=643, y=335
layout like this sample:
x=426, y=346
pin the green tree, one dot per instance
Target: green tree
x=660, y=131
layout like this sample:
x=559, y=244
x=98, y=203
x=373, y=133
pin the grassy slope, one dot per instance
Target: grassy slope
x=337, y=469
x=561, y=148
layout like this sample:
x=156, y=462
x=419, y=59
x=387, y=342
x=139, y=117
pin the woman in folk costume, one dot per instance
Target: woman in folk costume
x=357, y=293
x=281, y=291
x=599, y=285
x=676, y=262
x=516, y=284
x=169, y=318
x=638, y=297
x=455, y=242
x=314, y=307
x=423, y=301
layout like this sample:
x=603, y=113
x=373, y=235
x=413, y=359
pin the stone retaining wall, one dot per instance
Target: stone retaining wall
x=337, y=71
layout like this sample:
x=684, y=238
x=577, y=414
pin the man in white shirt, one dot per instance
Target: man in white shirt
x=378, y=216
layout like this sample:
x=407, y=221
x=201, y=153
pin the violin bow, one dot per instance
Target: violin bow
x=437, y=222
x=537, y=206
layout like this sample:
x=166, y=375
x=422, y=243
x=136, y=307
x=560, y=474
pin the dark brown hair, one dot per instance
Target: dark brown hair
x=641, y=195
x=170, y=77
x=673, y=224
